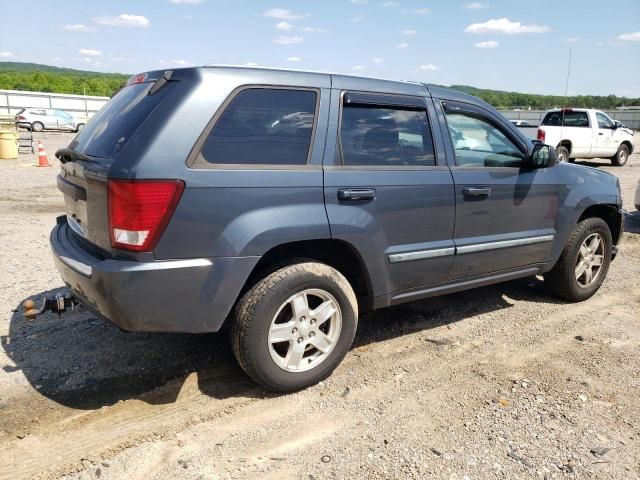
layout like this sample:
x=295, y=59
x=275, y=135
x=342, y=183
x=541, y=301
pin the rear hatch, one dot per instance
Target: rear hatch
x=87, y=161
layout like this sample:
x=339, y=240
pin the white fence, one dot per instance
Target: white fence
x=12, y=101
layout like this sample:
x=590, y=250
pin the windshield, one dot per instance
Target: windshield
x=114, y=125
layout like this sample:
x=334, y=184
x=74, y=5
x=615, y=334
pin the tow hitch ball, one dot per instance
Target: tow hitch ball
x=58, y=304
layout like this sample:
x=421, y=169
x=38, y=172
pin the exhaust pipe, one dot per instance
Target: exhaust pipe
x=57, y=304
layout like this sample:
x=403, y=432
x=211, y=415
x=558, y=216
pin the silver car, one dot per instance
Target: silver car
x=39, y=119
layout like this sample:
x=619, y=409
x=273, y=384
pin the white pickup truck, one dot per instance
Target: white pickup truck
x=586, y=133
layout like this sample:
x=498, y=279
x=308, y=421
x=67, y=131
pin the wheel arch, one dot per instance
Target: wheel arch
x=610, y=214
x=628, y=144
x=565, y=143
x=336, y=253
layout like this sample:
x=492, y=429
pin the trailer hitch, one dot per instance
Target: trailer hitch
x=57, y=304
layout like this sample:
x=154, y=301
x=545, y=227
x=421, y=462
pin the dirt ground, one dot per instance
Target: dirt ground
x=498, y=382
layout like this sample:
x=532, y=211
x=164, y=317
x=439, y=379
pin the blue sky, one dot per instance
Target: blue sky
x=508, y=45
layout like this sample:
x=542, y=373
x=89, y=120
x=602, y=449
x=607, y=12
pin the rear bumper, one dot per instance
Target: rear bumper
x=191, y=295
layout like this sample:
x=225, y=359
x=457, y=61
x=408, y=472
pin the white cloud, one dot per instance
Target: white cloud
x=188, y=17
x=475, y=6
x=282, y=14
x=418, y=11
x=599, y=44
x=408, y=32
x=378, y=60
x=389, y=4
x=124, y=20
x=571, y=40
x=487, y=44
x=6, y=54
x=187, y=2
x=402, y=45
x=356, y=19
x=314, y=30
x=357, y=68
x=90, y=52
x=293, y=59
x=78, y=27
x=284, y=26
x=630, y=37
x=182, y=63
x=250, y=64
x=428, y=68
x=284, y=40
x=360, y=2
x=504, y=25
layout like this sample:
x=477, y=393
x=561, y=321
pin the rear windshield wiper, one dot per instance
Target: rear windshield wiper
x=67, y=155
x=161, y=82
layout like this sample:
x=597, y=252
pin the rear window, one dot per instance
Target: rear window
x=571, y=119
x=263, y=126
x=113, y=126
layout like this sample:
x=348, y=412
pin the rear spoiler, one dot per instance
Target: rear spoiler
x=159, y=79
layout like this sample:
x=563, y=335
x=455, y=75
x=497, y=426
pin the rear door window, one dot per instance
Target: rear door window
x=113, y=126
x=385, y=136
x=571, y=119
x=262, y=126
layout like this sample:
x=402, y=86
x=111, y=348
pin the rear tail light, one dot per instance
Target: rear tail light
x=541, y=135
x=139, y=210
x=20, y=117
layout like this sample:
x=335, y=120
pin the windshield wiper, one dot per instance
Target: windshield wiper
x=67, y=155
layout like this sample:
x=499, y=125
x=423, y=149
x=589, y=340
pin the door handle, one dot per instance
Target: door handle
x=476, y=192
x=600, y=133
x=353, y=194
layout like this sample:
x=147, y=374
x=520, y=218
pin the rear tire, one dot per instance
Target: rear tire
x=37, y=127
x=562, y=154
x=621, y=156
x=295, y=326
x=568, y=278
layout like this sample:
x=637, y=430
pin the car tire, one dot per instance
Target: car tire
x=562, y=154
x=621, y=156
x=569, y=278
x=37, y=127
x=275, y=335
x=79, y=127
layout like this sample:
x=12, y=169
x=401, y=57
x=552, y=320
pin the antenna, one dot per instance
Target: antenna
x=566, y=90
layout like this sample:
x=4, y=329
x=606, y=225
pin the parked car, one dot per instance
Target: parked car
x=521, y=123
x=39, y=119
x=284, y=203
x=585, y=133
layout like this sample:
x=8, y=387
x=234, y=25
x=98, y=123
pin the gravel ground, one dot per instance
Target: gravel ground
x=498, y=382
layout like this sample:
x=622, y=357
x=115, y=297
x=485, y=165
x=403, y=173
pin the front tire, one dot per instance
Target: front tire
x=562, y=154
x=295, y=326
x=621, y=156
x=584, y=262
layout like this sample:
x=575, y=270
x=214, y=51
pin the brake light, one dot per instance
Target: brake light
x=138, y=78
x=20, y=117
x=139, y=210
x=541, y=135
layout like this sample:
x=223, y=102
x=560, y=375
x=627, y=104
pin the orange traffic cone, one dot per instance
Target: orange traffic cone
x=43, y=160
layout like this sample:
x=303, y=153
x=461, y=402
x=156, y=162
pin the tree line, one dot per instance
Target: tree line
x=44, y=78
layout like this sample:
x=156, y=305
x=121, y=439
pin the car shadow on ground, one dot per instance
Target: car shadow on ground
x=84, y=362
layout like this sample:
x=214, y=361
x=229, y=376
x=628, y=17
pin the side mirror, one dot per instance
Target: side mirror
x=542, y=156
x=616, y=124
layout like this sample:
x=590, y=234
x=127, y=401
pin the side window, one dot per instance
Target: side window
x=603, y=121
x=478, y=143
x=385, y=136
x=266, y=126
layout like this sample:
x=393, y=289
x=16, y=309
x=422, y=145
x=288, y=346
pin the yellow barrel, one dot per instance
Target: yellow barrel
x=8, y=144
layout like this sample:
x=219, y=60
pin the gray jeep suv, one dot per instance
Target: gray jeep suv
x=285, y=202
